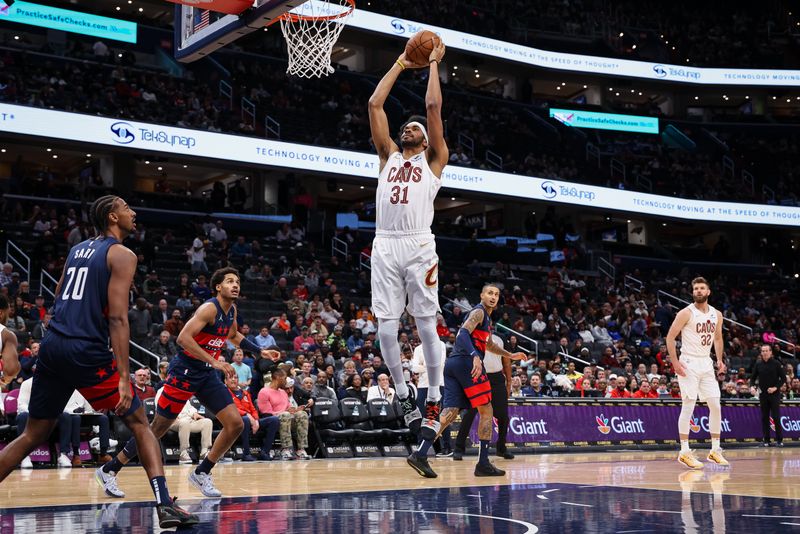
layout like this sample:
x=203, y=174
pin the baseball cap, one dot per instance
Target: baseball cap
x=289, y=382
x=612, y=376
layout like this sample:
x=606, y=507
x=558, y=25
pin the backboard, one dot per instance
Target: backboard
x=199, y=32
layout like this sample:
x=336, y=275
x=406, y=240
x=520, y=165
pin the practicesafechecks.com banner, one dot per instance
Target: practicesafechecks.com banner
x=646, y=422
x=69, y=21
x=182, y=141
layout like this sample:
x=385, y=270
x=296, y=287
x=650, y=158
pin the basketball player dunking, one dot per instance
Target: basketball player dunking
x=699, y=326
x=194, y=372
x=91, y=306
x=404, y=260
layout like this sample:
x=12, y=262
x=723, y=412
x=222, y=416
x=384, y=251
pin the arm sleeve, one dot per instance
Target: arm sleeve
x=464, y=342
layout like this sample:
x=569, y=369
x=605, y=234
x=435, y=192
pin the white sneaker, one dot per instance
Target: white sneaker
x=303, y=455
x=205, y=483
x=287, y=454
x=203, y=454
x=64, y=461
x=108, y=481
x=184, y=458
x=26, y=463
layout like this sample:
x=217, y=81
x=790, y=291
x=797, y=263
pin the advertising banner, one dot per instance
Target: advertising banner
x=69, y=21
x=149, y=138
x=575, y=424
x=605, y=121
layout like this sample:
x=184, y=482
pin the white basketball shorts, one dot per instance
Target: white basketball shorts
x=700, y=380
x=405, y=269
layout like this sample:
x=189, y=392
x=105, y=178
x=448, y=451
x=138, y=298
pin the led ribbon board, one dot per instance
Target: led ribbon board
x=152, y=138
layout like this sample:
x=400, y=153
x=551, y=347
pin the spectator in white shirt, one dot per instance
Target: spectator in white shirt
x=218, y=233
x=600, y=332
x=538, y=325
x=382, y=390
x=585, y=333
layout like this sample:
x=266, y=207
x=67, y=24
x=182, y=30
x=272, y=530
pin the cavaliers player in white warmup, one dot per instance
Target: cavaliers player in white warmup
x=404, y=260
x=700, y=326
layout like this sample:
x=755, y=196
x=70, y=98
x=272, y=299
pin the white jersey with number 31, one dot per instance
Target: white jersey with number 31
x=697, y=335
x=406, y=191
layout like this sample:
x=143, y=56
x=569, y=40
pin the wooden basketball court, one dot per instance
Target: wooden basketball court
x=595, y=492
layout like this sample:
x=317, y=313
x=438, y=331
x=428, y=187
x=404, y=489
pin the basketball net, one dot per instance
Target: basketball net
x=311, y=30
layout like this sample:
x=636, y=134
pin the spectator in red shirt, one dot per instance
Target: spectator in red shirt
x=675, y=390
x=441, y=327
x=645, y=391
x=620, y=392
x=141, y=384
x=252, y=421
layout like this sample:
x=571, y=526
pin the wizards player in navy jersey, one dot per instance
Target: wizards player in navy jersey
x=194, y=371
x=91, y=307
x=466, y=384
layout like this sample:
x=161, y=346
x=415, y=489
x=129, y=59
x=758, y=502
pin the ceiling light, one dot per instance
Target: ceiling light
x=774, y=98
x=185, y=166
x=621, y=34
x=455, y=67
x=16, y=37
x=697, y=98
x=362, y=187
x=161, y=168
x=563, y=83
x=88, y=155
x=146, y=162
x=476, y=70
x=118, y=8
x=629, y=221
x=477, y=75
x=558, y=87
x=452, y=198
x=663, y=224
x=633, y=90
x=616, y=94
x=55, y=156
x=141, y=9
x=3, y=150
x=747, y=97
x=687, y=60
x=585, y=86
x=640, y=93
x=340, y=189
x=633, y=47
x=788, y=100
x=610, y=88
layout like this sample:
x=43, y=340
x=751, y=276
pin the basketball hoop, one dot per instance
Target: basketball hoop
x=311, y=30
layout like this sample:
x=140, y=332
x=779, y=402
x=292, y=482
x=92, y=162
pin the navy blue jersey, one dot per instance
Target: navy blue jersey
x=212, y=337
x=81, y=308
x=480, y=335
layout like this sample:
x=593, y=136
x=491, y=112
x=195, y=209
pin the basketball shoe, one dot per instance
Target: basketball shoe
x=689, y=460
x=716, y=456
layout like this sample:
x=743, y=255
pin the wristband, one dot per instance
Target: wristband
x=401, y=64
x=249, y=346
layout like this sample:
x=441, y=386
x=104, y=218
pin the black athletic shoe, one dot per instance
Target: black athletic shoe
x=444, y=453
x=766, y=444
x=505, y=455
x=488, y=470
x=458, y=456
x=779, y=444
x=421, y=465
x=411, y=413
x=170, y=515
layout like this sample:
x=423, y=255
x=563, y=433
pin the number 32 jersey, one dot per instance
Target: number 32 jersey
x=81, y=307
x=406, y=191
x=697, y=336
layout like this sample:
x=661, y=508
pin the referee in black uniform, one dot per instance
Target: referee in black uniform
x=498, y=370
x=769, y=374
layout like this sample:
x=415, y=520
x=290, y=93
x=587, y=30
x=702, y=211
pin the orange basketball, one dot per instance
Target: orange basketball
x=420, y=46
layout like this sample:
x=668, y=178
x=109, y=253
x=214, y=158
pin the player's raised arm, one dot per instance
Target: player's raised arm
x=122, y=263
x=378, y=121
x=672, y=347
x=437, y=148
x=204, y=315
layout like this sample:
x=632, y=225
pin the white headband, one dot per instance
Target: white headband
x=421, y=127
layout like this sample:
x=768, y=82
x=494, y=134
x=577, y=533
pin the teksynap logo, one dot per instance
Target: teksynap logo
x=664, y=71
x=401, y=27
x=122, y=133
x=549, y=190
